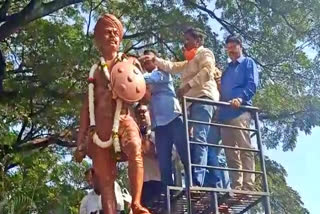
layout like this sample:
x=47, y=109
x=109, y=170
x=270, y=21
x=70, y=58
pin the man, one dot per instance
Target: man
x=152, y=185
x=166, y=119
x=91, y=203
x=199, y=78
x=99, y=109
x=238, y=85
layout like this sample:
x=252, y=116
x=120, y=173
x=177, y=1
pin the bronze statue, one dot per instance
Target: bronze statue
x=114, y=84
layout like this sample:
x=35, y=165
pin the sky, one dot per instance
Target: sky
x=301, y=164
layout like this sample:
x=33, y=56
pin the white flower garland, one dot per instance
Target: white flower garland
x=114, y=138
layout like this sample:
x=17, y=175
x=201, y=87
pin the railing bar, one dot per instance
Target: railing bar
x=218, y=103
x=222, y=125
x=226, y=169
x=225, y=147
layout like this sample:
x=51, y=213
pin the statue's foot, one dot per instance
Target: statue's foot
x=138, y=209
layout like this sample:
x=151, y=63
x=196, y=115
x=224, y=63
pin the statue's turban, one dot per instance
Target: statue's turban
x=109, y=20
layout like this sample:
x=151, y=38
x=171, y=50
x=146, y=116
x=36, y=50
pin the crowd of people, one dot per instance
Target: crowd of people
x=201, y=78
x=161, y=124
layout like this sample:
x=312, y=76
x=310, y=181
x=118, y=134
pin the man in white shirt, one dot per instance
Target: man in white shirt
x=91, y=203
x=152, y=178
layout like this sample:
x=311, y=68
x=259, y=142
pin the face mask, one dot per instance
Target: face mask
x=189, y=54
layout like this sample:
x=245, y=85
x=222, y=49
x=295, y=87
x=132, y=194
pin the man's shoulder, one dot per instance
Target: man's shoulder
x=159, y=71
x=249, y=60
x=84, y=199
x=204, y=50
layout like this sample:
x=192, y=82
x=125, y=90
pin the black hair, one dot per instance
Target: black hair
x=90, y=170
x=148, y=51
x=235, y=39
x=196, y=33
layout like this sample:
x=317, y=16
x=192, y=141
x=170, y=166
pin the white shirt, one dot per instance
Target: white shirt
x=92, y=201
x=151, y=166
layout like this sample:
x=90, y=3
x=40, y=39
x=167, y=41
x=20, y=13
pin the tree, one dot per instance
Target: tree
x=283, y=198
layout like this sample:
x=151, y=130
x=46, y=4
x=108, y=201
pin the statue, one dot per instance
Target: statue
x=114, y=84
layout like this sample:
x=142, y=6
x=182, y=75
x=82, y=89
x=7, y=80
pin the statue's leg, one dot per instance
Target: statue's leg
x=104, y=166
x=131, y=146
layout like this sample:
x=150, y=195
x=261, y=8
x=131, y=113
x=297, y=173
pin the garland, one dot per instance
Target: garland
x=114, y=138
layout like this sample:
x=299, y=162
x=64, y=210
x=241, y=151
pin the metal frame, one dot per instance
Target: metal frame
x=189, y=184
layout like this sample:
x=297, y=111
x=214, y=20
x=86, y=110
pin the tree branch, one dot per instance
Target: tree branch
x=149, y=31
x=167, y=46
x=43, y=143
x=89, y=21
x=2, y=71
x=34, y=10
x=24, y=125
x=4, y=9
x=141, y=47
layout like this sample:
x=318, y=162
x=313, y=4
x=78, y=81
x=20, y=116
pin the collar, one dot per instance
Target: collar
x=93, y=193
x=239, y=60
x=200, y=49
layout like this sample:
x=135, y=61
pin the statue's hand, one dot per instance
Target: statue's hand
x=79, y=154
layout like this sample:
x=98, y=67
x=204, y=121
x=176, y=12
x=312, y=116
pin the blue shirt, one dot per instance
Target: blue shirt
x=240, y=80
x=164, y=106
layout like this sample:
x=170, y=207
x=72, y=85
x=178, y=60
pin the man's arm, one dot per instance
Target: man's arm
x=157, y=77
x=252, y=78
x=171, y=67
x=217, y=78
x=207, y=68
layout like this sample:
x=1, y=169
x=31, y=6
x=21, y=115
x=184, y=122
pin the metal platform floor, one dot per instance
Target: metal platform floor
x=229, y=202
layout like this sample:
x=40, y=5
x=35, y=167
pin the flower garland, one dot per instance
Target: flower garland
x=114, y=138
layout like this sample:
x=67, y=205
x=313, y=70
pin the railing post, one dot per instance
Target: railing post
x=168, y=200
x=263, y=165
x=189, y=182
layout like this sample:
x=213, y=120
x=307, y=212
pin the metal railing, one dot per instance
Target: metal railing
x=264, y=195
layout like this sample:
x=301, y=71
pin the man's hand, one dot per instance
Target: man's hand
x=145, y=58
x=182, y=91
x=236, y=103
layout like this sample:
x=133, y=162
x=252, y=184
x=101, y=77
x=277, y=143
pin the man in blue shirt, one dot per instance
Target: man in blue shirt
x=239, y=83
x=166, y=119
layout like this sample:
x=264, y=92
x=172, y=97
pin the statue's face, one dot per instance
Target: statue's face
x=107, y=39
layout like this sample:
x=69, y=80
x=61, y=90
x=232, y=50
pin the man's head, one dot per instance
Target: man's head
x=193, y=38
x=92, y=180
x=143, y=117
x=149, y=65
x=108, y=34
x=234, y=47
x=88, y=176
